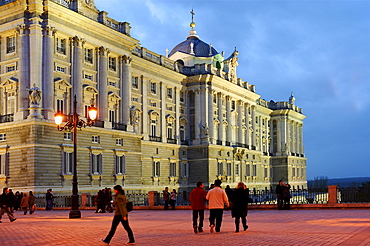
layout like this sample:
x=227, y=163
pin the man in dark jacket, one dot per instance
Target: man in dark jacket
x=280, y=195
x=49, y=199
x=197, y=201
x=4, y=204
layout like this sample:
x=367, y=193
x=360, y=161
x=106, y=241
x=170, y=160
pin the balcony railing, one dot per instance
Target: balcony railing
x=155, y=139
x=119, y=126
x=218, y=142
x=6, y=118
x=227, y=143
x=184, y=142
x=354, y=195
x=171, y=141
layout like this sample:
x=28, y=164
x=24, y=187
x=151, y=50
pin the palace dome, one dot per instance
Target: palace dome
x=194, y=46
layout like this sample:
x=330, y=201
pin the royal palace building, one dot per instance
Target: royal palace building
x=163, y=120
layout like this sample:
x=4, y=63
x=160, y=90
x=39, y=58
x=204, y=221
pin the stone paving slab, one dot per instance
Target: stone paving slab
x=266, y=227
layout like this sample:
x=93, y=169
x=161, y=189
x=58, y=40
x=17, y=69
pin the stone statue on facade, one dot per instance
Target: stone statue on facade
x=34, y=95
x=134, y=116
x=205, y=129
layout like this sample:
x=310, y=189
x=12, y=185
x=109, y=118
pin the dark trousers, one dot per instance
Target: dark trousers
x=280, y=202
x=216, y=214
x=49, y=204
x=172, y=203
x=201, y=218
x=115, y=222
x=166, y=202
x=7, y=211
x=287, y=203
x=237, y=221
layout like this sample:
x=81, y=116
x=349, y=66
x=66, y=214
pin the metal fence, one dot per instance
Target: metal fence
x=354, y=195
x=306, y=196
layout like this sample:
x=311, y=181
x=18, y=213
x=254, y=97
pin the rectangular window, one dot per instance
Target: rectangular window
x=156, y=169
x=169, y=93
x=2, y=136
x=88, y=76
x=10, y=68
x=67, y=160
x=95, y=139
x=4, y=164
x=182, y=96
x=153, y=104
x=112, y=116
x=68, y=136
x=293, y=172
x=169, y=131
x=185, y=169
x=228, y=169
x=10, y=44
x=61, y=45
x=254, y=170
x=248, y=170
x=88, y=55
x=61, y=69
x=153, y=128
x=153, y=87
x=220, y=168
x=112, y=83
x=237, y=169
x=182, y=133
x=112, y=63
x=119, y=141
x=135, y=82
x=120, y=164
x=233, y=105
x=60, y=106
x=266, y=172
x=96, y=164
x=172, y=169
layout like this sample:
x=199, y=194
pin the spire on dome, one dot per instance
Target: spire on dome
x=192, y=25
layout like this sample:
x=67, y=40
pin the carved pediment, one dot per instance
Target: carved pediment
x=10, y=82
x=114, y=95
x=62, y=82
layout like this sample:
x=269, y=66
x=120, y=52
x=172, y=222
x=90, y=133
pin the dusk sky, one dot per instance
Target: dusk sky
x=319, y=50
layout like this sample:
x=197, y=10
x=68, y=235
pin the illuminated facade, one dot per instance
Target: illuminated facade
x=163, y=120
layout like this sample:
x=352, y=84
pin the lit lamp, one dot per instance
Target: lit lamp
x=73, y=123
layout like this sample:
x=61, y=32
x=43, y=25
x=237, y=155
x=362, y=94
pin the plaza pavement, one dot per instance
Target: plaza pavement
x=158, y=227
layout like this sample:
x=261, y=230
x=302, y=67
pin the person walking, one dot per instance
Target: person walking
x=31, y=202
x=239, y=207
x=120, y=215
x=24, y=203
x=286, y=196
x=49, y=200
x=279, y=194
x=18, y=199
x=198, y=203
x=217, y=199
x=173, y=199
x=11, y=199
x=4, y=205
x=166, y=198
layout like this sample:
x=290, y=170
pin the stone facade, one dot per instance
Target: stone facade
x=162, y=120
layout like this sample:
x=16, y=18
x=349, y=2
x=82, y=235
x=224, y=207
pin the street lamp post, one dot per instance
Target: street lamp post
x=73, y=123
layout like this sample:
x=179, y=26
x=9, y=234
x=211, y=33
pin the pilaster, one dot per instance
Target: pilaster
x=103, y=86
x=76, y=72
x=125, y=90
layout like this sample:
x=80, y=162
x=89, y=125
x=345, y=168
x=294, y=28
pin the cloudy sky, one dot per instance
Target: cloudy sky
x=319, y=50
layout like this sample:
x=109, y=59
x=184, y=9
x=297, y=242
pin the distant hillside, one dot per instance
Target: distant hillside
x=349, y=182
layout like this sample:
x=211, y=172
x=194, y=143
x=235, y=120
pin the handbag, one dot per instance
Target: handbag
x=129, y=206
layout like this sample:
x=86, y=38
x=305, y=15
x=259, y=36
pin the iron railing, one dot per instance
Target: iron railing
x=354, y=195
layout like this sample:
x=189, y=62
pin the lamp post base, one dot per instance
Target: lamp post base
x=75, y=214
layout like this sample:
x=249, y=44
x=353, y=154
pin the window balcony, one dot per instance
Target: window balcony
x=155, y=139
x=218, y=142
x=6, y=118
x=184, y=142
x=119, y=126
x=171, y=141
x=227, y=143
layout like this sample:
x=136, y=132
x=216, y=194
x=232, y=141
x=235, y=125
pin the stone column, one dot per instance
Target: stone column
x=145, y=122
x=210, y=116
x=76, y=72
x=177, y=114
x=228, y=118
x=125, y=89
x=248, y=126
x=103, y=85
x=48, y=73
x=254, y=127
x=35, y=54
x=301, y=139
x=240, y=121
x=24, y=82
x=221, y=119
x=278, y=136
x=163, y=121
x=197, y=116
